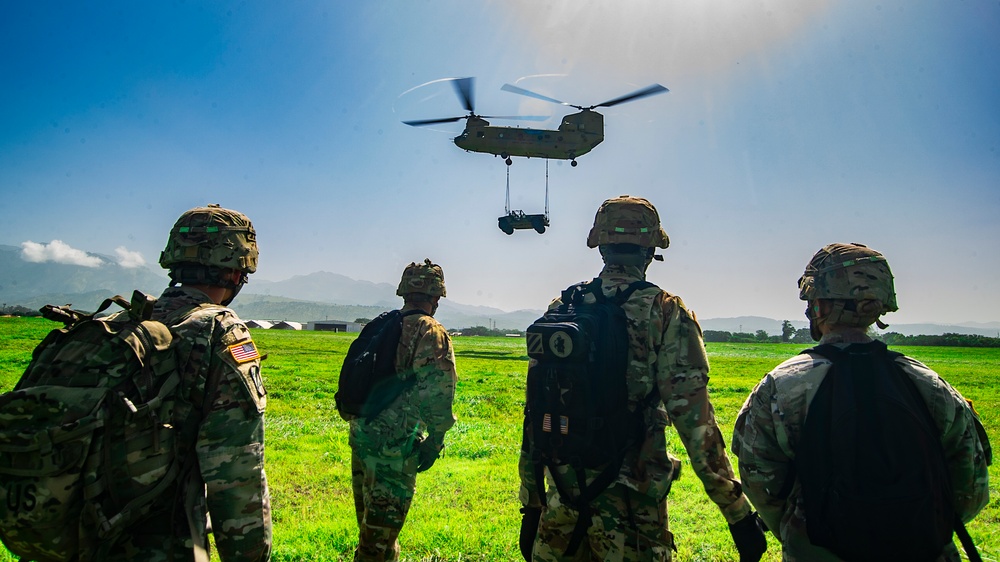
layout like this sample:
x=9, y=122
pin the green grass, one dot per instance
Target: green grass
x=466, y=506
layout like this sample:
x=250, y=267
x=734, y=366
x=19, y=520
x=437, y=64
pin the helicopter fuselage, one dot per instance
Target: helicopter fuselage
x=577, y=135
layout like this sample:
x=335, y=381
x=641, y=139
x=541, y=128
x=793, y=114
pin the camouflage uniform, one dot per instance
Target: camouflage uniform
x=224, y=440
x=848, y=287
x=384, y=457
x=630, y=517
x=766, y=433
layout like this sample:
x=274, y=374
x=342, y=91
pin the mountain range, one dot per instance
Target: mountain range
x=316, y=296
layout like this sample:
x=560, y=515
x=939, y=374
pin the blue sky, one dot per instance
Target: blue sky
x=789, y=125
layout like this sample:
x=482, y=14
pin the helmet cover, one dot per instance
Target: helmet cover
x=427, y=278
x=214, y=237
x=850, y=272
x=627, y=220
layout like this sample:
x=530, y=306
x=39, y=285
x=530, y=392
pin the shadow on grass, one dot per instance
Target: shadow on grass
x=495, y=355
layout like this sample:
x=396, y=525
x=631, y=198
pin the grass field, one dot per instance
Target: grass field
x=466, y=506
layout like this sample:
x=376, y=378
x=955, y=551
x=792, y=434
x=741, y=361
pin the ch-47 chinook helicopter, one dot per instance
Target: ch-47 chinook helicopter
x=577, y=135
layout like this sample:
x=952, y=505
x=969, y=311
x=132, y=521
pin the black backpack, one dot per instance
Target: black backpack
x=368, y=382
x=577, y=393
x=874, y=479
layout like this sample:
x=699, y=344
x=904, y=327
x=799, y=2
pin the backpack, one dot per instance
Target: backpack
x=577, y=393
x=870, y=462
x=86, y=443
x=368, y=380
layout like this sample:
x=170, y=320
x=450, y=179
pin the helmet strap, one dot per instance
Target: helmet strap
x=236, y=291
x=628, y=254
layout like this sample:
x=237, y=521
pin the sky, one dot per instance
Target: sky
x=789, y=125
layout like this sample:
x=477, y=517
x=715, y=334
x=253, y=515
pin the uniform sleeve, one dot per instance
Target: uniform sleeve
x=434, y=367
x=965, y=444
x=765, y=465
x=230, y=448
x=967, y=463
x=528, y=493
x=682, y=379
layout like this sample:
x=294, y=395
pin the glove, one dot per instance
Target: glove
x=748, y=534
x=428, y=453
x=529, y=530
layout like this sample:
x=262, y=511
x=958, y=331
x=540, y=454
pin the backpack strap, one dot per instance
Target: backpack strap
x=587, y=495
x=622, y=296
x=71, y=317
x=575, y=293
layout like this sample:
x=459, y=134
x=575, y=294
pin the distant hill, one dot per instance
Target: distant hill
x=317, y=296
x=452, y=316
x=327, y=287
x=748, y=324
x=35, y=284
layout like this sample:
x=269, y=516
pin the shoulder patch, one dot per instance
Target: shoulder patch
x=244, y=352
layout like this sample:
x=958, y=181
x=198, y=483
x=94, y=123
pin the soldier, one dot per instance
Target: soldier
x=848, y=287
x=209, y=254
x=389, y=449
x=667, y=380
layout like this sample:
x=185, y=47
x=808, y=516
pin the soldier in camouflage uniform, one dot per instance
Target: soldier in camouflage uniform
x=389, y=449
x=848, y=287
x=666, y=355
x=210, y=253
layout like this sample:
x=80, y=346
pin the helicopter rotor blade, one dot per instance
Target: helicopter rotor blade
x=647, y=91
x=514, y=89
x=463, y=87
x=422, y=122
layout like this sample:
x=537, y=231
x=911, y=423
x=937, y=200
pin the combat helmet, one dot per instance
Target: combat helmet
x=627, y=220
x=426, y=278
x=206, y=241
x=845, y=273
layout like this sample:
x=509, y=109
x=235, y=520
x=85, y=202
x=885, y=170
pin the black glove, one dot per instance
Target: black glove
x=529, y=529
x=748, y=534
x=428, y=453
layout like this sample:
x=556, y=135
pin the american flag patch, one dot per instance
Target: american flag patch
x=243, y=352
x=563, y=424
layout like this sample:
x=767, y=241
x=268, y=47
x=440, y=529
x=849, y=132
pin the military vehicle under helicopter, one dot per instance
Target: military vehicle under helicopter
x=577, y=134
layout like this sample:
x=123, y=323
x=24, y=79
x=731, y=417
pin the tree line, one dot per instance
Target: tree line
x=791, y=335
x=18, y=310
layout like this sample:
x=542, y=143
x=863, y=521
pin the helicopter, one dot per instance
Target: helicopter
x=578, y=133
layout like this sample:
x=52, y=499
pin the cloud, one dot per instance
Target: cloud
x=129, y=259
x=57, y=251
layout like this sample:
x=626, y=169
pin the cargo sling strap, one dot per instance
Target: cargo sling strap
x=588, y=493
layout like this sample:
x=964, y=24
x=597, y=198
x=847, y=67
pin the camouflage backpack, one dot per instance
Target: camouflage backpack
x=86, y=442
